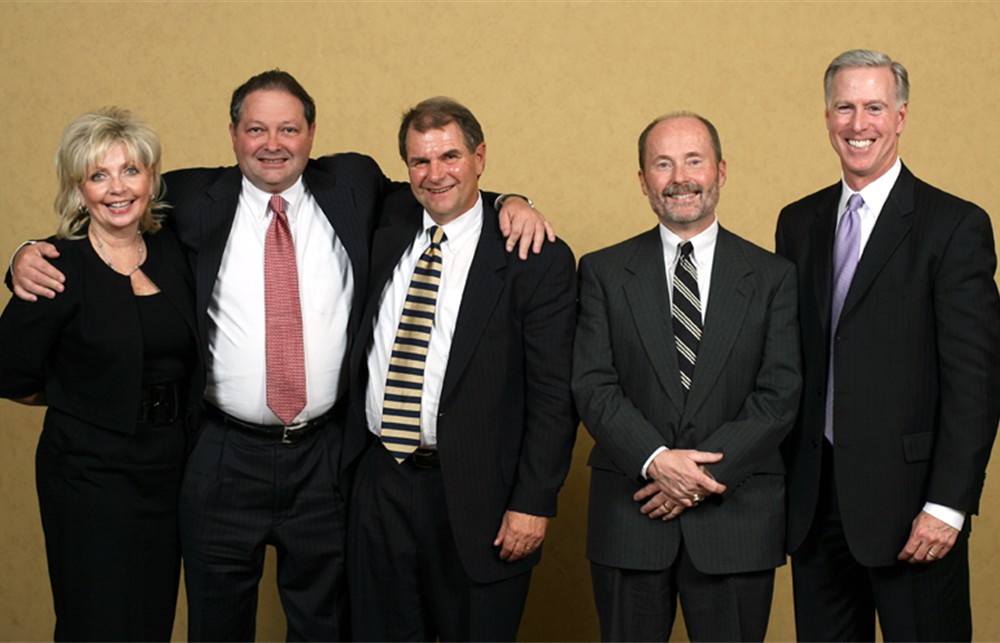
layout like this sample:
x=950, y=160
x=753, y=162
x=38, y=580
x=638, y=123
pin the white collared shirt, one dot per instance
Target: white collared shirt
x=703, y=255
x=237, y=372
x=875, y=195
x=457, y=253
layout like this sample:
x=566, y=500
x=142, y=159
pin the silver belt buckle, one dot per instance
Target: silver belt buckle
x=291, y=428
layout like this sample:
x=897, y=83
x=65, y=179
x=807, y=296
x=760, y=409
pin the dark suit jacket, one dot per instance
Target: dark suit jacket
x=349, y=188
x=917, y=359
x=506, y=425
x=84, y=348
x=742, y=403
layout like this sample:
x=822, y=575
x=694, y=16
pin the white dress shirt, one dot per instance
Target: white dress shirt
x=703, y=256
x=457, y=252
x=237, y=372
x=875, y=195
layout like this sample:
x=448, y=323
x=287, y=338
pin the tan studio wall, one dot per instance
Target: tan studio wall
x=562, y=89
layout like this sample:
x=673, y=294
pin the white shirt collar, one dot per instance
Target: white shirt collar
x=461, y=228
x=703, y=242
x=258, y=200
x=875, y=193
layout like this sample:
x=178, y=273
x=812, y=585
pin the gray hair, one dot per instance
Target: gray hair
x=868, y=58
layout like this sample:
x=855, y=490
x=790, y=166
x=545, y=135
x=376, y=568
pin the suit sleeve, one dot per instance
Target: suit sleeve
x=29, y=333
x=609, y=415
x=550, y=423
x=967, y=325
x=769, y=411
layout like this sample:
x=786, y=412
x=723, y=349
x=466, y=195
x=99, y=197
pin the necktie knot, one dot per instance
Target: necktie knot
x=277, y=205
x=855, y=202
x=437, y=235
x=687, y=249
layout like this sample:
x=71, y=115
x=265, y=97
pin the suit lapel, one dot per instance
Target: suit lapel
x=216, y=217
x=334, y=199
x=822, y=232
x=892, y=226
x=388, y=246
x=482, y=291
x=646, y=293
x=728, y=297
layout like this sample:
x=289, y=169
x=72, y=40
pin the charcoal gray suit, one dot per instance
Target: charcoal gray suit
x=742, y=402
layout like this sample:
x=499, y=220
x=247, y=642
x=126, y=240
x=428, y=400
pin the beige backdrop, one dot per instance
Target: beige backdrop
x=563, y=90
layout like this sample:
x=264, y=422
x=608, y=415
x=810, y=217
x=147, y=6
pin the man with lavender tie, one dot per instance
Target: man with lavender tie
x=900, y=326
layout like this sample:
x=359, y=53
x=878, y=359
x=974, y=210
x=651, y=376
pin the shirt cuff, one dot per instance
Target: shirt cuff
x=952, y=517
x=649, y=461
x=498, y=202
x=30, y=242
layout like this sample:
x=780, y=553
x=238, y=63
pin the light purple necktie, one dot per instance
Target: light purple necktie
x=846, y=249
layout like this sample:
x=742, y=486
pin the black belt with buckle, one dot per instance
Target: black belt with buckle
x=159, y=404
x=289, y=434
x=426, y=458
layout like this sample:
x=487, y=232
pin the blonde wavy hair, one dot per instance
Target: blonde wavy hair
x=84, y=143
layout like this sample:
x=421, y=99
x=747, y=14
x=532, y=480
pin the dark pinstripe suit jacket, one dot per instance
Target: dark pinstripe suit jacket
x=349, y=188
x=506, y=425
x=742, y=402
x=917, y=364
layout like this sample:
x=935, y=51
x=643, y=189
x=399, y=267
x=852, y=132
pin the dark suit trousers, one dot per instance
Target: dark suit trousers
x=640, y=605
x=407, y=582
x=836, y=597
x=242, y=492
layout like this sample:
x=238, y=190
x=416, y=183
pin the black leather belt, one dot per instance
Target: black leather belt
x=159, y=404
x=289, y=434
x=426, y=458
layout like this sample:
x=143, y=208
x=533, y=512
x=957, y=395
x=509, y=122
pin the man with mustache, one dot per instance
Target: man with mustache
x=686, y=372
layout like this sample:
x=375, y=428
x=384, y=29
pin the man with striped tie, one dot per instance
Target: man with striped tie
x=686, y=372
x=461, y=402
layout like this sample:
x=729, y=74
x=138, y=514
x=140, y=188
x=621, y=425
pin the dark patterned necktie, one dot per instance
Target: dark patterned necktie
x=686, y=311
x=404, y=384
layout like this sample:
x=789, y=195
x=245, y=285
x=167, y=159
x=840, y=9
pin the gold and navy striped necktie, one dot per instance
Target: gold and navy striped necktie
x=405, y=381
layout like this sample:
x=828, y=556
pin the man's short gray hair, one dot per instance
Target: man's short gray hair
x=868, y=58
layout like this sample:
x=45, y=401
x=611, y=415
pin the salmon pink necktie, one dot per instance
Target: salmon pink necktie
x=284, y=353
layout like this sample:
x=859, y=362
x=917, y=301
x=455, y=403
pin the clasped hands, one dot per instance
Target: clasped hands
x=678, y=481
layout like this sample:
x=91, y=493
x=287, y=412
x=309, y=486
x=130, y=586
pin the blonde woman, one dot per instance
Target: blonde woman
x=112, y=357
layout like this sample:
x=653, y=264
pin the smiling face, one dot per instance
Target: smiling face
x=865, y=122
x=444, y=172
x=116, y=191
x=681, y=176
x=272, y=141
